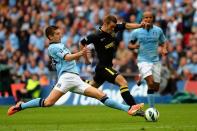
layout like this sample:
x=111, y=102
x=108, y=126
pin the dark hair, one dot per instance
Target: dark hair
x=50, y=30
x=109, y=18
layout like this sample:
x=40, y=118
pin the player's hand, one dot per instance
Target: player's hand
x=164, y=52
x=133, y=46
x=145, y=25
x=142, y=24
x=85, y=51
x=136, y=46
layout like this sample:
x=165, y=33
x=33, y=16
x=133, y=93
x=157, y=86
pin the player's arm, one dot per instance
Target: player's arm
x=70, y=57
x=135, y=25
x=164, y=49
x=85, y=56
x=133, y=42
x=133, y=45
x=66, y=55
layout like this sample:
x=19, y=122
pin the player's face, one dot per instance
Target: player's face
x=111, y=26
x=148, y=18
x=57, y=35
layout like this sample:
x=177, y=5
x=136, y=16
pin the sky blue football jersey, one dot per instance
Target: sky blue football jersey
x=57, y=51
x=149, y=40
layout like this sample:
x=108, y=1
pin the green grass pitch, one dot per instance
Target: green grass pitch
x=173, y=117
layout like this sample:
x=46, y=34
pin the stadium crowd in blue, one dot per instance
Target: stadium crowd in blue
x=22, y=41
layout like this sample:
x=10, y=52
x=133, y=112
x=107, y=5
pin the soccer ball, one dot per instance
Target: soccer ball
x=151, y=114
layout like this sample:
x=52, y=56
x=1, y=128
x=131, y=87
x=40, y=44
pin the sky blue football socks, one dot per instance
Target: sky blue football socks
x=38, y=102
x=151, y=98
x=113, y=104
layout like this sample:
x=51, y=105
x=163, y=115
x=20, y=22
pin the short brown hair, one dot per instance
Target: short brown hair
x=50, y=30
x=109, y=18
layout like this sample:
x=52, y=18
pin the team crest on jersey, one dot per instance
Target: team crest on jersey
x=154, y=33
x=61, y=51
x=58, y=85
x=102, y=39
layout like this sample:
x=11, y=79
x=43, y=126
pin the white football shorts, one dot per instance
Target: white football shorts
x=147, y=69
x=71, y=82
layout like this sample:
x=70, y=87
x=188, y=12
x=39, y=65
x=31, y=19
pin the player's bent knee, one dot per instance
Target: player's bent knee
x=151, y=84
x=156, y=88
x=124, y=84
x=93, y=92
x=121, y=80
x=100, y=95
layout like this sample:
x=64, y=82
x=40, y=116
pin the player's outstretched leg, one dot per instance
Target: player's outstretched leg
x=132, y=110
x=38, y=102
x=95, y=93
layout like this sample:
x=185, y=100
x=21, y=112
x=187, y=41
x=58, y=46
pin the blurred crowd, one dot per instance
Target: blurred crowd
x=23, y=44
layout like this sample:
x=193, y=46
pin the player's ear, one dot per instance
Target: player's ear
x=50, y=37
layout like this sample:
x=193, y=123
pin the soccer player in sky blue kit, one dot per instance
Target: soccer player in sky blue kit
x=147, y=40
x=68, y=78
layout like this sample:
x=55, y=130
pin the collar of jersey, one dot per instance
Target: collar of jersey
x=54, y=42
x=103, y=31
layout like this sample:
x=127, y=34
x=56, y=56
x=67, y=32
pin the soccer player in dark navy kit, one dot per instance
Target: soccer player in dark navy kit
x=105, y=43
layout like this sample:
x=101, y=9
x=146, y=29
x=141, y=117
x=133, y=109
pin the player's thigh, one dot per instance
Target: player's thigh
x=62, y=86
x=110, y=74
x=95, y=84
x=145, y=69
x=157, y=72
x=85, y=89
x=156, y=86
x=79, y=86
x=98, y=77
x=66, y=82
x=150, y=81
x=94, y=93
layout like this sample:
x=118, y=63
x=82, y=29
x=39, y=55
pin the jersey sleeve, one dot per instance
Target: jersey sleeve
x=133, y=36
x=58, y=52
x=88, y=39
x=61, y=53
x=120, y=27
x=162, y=37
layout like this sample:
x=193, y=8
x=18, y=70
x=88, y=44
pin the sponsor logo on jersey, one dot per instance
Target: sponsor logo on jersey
x=109, y=45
